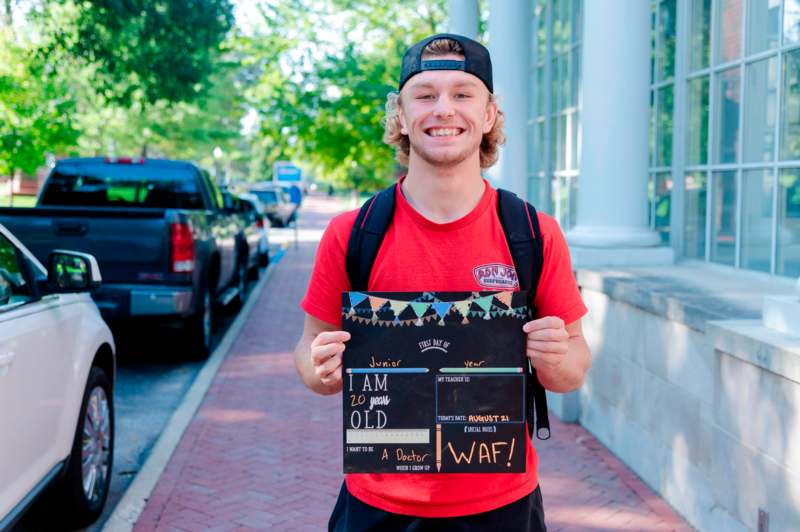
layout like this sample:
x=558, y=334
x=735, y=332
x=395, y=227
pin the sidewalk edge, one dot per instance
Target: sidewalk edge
x=133, y=501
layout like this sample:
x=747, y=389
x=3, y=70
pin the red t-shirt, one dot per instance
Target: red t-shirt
x=468, y=254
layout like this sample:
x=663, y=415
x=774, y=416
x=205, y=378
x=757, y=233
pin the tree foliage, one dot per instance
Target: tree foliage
x=35, y=110
x=321, y=96
x=153, y=50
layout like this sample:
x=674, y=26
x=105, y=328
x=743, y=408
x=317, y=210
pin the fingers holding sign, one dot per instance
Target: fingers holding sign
x=547, y=343
x=326, y=356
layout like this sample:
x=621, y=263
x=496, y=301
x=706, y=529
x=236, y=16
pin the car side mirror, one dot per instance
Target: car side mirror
x=70, y=271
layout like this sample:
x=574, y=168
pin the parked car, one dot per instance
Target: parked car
x=259, y=224
x=57, y=372
x=251, y=233
x=166, y=244
x=277, y=203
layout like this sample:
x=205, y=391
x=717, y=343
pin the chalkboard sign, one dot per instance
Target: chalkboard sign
x=434, y=382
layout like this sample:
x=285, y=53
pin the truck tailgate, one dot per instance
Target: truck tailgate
x=131, y=245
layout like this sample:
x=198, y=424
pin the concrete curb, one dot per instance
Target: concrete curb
x=132, y=503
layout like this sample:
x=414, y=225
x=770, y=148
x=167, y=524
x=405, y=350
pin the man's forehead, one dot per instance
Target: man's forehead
x=439, y=78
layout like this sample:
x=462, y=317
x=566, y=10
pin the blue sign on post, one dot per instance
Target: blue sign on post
x=283, y=171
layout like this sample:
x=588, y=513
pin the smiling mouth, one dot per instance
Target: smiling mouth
x=444, y=131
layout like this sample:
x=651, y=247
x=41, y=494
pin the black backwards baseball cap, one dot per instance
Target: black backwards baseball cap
x=476, y=60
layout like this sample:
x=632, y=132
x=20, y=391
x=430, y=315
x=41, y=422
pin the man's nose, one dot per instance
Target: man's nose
x=444, y=107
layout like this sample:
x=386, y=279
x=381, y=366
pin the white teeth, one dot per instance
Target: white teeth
x=443, y=132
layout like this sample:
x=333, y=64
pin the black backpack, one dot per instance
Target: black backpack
x=523, y=234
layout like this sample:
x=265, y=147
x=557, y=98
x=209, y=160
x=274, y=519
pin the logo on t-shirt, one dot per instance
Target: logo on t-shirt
x=496, y=276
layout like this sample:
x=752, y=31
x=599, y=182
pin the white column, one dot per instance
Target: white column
x=612, y=190
x=510, y=46
x=464, y=18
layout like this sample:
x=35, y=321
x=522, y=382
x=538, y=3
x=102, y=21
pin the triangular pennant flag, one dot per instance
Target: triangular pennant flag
x=419, y=322
x=441, y=322
x=398, y=306
x=462, y=307
x=504, y=298
x=396, y=320
x=377, y=302
x=420, y=308
x=442, y=308
x=465, y=321
x=356, y=298
x=484, y=302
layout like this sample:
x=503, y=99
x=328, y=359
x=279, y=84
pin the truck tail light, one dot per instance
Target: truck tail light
x=182, y=248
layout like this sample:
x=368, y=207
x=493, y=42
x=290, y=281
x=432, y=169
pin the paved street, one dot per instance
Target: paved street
x=265, y=453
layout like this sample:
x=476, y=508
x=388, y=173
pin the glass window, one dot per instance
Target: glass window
x=651, y=133
x=791, y=22
x=763, y=25
x=561, y=164
x=572, y=219
x=575, y=76
x=664, y=127
x=563, y=96
x=554, y=85
x=541, y=29
x=665, y=55
x=700, y=45
x=697, y=134
x=541, y=100
x=122, y=185
x=723, y=218
x=789, y=223
x=573, y=141
x=756, y=219
x=553, y=140
x=659, y=192
x=790, y=111
x=727, y=101
x=729, y=29
x=541, y=145
x=759, y=110
x=577, y=21
x=13, y=288
x=695, y=222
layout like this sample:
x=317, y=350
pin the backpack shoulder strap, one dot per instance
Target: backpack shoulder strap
x=524, y=236
x=367, y=235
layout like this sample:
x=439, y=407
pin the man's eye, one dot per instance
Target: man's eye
x=425, y=97
x=463, y=96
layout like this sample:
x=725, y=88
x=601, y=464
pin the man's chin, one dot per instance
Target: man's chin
x=444, y=160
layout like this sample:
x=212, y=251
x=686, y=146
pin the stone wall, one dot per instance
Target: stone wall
x=706, y=413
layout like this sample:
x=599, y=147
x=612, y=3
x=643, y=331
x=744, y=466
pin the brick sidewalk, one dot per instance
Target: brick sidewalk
x=264, y=453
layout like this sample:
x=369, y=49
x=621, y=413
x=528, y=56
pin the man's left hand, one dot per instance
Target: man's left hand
x=547, y=343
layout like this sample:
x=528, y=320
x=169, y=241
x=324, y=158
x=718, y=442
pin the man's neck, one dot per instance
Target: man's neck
x=443, y=195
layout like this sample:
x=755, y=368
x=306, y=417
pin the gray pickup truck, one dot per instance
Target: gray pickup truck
x=166, y=245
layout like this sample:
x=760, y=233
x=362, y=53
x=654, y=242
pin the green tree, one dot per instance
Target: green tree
x=35, y=109
x=147, y=50
x=321, y=97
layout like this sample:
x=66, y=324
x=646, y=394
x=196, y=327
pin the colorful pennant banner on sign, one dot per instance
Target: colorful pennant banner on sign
x=427, y=307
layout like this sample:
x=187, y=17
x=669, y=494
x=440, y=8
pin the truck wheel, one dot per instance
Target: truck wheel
x=81, y=493
x=201, y=326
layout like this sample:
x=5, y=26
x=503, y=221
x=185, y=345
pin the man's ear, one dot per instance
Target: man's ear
x=490, y=116
x=401, y=118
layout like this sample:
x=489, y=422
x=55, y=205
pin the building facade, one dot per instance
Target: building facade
x=705, y=137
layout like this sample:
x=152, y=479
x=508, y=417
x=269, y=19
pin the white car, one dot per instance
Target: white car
x=56, y=387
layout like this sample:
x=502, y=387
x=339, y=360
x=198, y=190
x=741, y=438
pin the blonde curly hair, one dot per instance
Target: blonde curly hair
x=392, y=128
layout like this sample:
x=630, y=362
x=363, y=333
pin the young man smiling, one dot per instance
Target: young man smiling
x=445, y=235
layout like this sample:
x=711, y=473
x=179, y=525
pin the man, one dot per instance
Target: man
x=446, y=126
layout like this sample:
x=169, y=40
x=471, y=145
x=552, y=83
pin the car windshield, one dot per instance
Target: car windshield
x=111, y=185
x=266, y=196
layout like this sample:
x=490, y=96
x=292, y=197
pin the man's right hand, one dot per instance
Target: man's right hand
x=326, y=356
